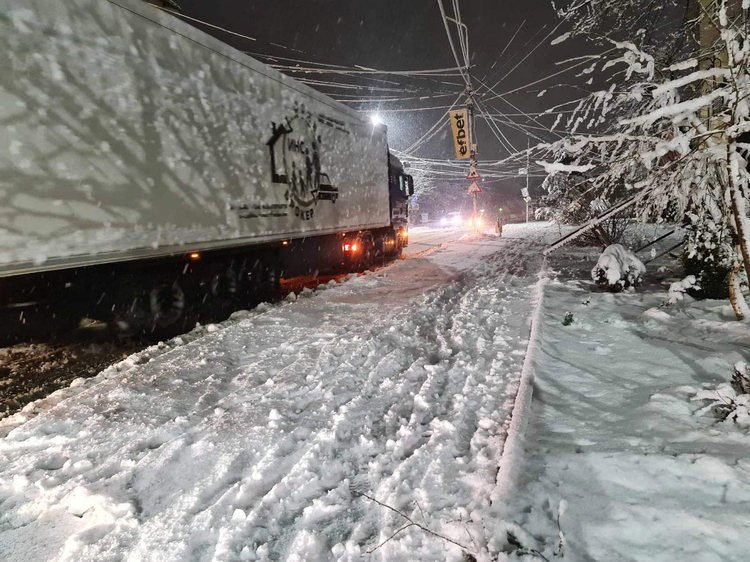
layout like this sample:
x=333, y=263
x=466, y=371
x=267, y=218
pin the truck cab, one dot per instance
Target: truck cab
x=400, y=188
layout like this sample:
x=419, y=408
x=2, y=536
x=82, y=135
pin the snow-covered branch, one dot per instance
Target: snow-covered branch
x=679, y=129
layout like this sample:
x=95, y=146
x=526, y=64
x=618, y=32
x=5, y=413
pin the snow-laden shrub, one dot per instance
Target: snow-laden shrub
x=618, y=268
x=678, y=289
x=730, y=401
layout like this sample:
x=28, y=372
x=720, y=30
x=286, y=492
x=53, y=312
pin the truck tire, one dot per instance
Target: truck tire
x=271, y=277
x=223, y=297
x=224, y=285
x=166, y=304
x=367, y=252
x=397, y=246
x=259, y=280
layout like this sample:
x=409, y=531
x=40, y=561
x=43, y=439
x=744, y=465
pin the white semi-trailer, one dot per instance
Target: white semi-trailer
x=149, y=171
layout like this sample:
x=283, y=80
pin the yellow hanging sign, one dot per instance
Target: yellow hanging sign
x=460, y=126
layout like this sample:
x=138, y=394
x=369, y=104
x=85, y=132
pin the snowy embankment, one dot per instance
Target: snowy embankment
x=263, y=438
x=618, y=447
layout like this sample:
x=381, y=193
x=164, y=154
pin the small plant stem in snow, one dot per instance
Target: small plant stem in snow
x=559, y=552
x=411, y=523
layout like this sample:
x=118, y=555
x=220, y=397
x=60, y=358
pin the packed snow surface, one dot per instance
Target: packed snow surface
x=265, y=437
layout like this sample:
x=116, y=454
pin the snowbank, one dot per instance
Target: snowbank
x=618, y=268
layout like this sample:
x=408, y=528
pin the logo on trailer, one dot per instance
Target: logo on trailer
x=295, y=147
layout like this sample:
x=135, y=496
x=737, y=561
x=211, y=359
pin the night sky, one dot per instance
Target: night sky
x=409, y=35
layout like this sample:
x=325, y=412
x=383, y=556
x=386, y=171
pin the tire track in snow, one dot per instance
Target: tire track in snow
x=283, y=507
x=444, y=442
x=293, y=412
x=270, y=501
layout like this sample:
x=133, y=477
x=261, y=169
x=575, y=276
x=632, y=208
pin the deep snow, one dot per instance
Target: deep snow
x=255, y=439
x=617, y=439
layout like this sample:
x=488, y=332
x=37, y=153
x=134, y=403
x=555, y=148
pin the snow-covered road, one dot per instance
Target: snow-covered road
x=423, y=238
x=257, y=438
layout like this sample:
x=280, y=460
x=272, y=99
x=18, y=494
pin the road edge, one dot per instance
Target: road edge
x=510, y=455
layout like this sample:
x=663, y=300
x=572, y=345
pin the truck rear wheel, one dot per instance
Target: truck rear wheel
x=167, y=304
x=224, y=295
x=259, y=280
x=224, y=285
x=271, y=277
x=366, y=253
x=166, y=311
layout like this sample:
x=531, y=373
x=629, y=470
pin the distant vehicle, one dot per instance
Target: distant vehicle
x=151, y=173
x=472, y=223
x=452, y=220
x=455, y=219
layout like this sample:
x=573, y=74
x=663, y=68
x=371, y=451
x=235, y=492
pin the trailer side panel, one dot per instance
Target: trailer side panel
x=125, y=133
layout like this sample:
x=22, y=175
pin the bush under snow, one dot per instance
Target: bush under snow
x=730, y=401
x=618, y=268
x=678, y=289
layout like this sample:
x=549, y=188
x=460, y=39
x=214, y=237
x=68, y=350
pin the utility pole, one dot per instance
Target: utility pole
x=466, y=115
x=525, y=190
x=528, y=198
x=472, y=146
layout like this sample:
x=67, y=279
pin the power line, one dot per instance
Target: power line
x=528, y=54
x=450, y=40
x=504, y=142
x=520, y=110
x=409, y=109
x=225, y=30
x=506, y=48
x=538, y=31
x=431, y=72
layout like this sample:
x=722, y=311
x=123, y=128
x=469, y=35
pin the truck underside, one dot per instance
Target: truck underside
x=163, y=297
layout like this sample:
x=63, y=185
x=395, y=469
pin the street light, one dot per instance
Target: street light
x=376, y=120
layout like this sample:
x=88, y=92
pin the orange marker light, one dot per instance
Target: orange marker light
x=195, y=256
x=285, y=242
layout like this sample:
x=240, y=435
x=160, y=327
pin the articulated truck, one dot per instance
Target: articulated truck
x=149, y=172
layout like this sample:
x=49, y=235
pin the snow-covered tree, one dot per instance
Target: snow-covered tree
x=677, y=137
x=569, y=200
x=659, y=26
